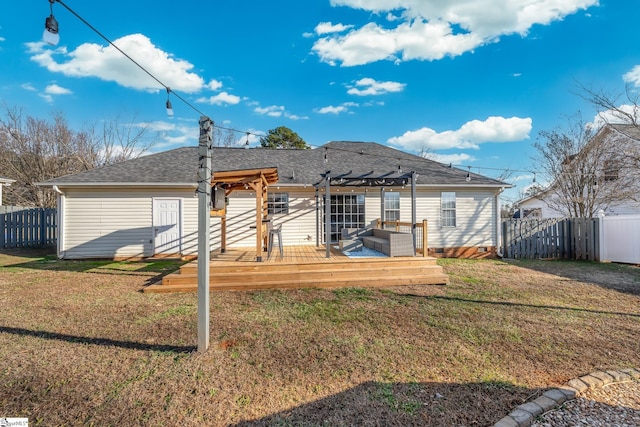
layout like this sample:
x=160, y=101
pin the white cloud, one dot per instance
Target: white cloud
x=278, y=111
x=615, y=116
x=470, y=135
x=342, y=108
x=106, y=63
x=220, y=99
x=450, y=158
x=330, y=109
x=430, y=30
x=46, y=97
x=328, y=27
x=54, y=89
x=271, y=111
x=369, y=86
x=633, y=76
x=29, y=87
x=2, y=39
x=214, y=84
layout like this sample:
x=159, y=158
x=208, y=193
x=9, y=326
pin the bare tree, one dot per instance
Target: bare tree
x=584, y=167
x=224, y=137
x=618, y=108
x=34, y=150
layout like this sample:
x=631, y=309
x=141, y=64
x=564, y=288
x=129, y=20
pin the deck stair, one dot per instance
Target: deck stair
x=229, y=272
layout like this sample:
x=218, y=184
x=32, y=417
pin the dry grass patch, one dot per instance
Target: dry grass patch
x=81, y=345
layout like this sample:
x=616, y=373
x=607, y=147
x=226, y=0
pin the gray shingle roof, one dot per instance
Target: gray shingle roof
x=180, y=166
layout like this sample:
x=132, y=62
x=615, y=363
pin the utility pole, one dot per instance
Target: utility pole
x=204, y=220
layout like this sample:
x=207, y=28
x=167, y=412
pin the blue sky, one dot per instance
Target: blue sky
x=472, y=82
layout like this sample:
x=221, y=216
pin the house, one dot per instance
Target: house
x=5, y=182
x=537, y=206
x=614, y=182
x=149, y=205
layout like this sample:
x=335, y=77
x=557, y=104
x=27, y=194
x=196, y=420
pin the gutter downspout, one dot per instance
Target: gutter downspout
x=61, y=204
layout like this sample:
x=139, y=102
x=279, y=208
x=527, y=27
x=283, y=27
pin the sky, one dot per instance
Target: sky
x=469, y=82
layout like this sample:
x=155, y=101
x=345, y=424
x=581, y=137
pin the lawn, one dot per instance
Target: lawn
x=81, y=345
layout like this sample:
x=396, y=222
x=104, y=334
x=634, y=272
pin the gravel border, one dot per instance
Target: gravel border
x=524, y=415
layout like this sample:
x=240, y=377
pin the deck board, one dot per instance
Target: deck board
x=303, y=267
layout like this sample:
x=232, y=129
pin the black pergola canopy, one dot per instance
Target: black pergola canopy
x=367, y=179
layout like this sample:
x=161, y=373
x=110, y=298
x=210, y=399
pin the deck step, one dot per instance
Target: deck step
x=251, y=276
x=303, y=268
x=433, y=279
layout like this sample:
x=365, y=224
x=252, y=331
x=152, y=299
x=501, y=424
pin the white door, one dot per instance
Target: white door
x=166, y=226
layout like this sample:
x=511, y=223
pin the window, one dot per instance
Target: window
x=611, y=170
x=391, y=206
x=448, y=209
x=277, y=203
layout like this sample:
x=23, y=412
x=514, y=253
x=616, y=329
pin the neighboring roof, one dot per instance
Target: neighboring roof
x=631, y=131
x=295, y=166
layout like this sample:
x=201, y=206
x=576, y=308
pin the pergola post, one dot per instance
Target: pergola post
x=259, y=224
x=327, y=214
x=382, y=218
x=317, y=217
x=414, y=216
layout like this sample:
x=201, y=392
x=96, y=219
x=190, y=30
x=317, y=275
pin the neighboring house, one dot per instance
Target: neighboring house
x=536, y=207
x=5, y=182
x=120, y=210
x=617, y=174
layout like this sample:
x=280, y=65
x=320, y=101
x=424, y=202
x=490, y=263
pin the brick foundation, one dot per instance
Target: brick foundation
x=464, y=252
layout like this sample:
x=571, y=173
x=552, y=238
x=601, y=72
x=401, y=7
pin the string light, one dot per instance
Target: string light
x=50, y=34
x=468, y=178
x=169, y=106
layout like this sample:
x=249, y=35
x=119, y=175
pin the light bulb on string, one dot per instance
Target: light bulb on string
x=468, y=178
x=168, y=104
x=50, y=34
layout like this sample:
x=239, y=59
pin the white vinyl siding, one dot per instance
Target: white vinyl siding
x=103, y=223
x=109, y=223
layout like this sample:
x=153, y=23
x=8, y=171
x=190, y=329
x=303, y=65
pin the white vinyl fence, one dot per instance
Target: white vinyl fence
x=620, y=238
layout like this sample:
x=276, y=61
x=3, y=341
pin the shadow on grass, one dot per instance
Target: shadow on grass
x=45, y=259
x=618, y=277
x=409, y=404
x=106, y=342
x=517, y=304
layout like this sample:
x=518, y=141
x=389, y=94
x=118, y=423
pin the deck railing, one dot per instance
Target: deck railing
x=407, y=227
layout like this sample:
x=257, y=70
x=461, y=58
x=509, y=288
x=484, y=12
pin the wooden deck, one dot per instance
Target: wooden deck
x=303, y=267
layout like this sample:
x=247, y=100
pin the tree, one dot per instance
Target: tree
x=224, y=137
x=283, y=137
x=34, y=150
x=575, y=160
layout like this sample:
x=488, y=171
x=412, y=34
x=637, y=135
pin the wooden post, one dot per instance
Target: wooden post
x=223, y=231
x=259, y=235
x=425, y=247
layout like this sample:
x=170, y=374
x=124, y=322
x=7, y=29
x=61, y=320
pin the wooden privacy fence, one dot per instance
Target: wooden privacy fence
x=421, y=229
x=562, y=238
x=27, y=227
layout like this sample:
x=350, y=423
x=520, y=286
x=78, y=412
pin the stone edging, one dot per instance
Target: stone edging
x=525, y=414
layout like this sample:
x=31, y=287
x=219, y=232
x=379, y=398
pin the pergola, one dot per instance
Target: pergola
x=367, y=179
x=258, y=180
